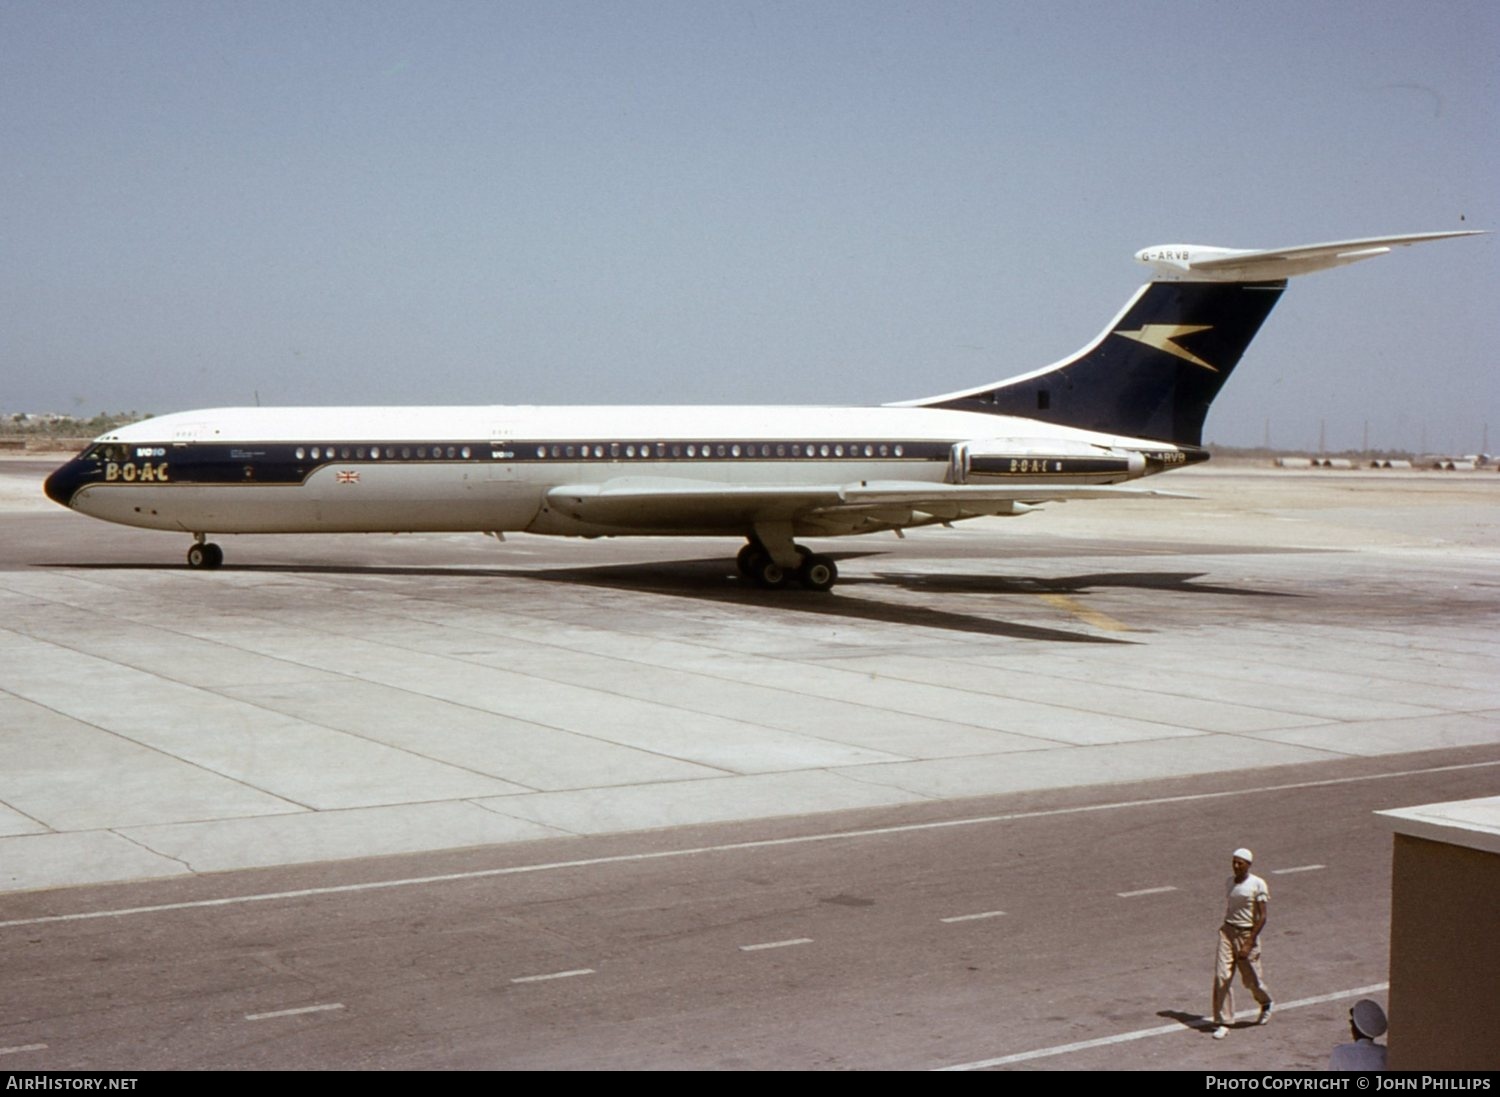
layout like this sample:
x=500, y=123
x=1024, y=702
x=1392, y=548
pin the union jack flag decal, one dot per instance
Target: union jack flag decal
x=348, y=476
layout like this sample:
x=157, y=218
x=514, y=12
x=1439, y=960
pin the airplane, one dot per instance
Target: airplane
x=1130, y=404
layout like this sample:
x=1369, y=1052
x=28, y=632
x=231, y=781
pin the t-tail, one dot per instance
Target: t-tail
x=1156, y=369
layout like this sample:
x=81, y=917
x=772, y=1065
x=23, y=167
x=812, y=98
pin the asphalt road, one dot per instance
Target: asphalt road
x=913, y=939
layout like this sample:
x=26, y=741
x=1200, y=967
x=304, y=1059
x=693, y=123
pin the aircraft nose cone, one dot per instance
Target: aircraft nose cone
x=61, y=484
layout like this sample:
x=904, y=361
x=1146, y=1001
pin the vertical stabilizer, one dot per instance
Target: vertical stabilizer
x=1153, y=374
x=1155, y=370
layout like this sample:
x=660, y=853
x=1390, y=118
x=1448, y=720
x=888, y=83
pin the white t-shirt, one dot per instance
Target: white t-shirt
x=1239, y=911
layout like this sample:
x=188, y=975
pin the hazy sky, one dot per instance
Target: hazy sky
x=620, y=202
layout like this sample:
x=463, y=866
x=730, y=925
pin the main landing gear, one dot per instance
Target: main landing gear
x=204, y=553
x=812, y=571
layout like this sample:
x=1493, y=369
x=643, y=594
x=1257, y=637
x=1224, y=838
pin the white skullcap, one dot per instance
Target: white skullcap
x=1243, y=854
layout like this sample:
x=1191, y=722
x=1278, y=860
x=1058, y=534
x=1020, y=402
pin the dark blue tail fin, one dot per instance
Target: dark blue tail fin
x=1152, y=374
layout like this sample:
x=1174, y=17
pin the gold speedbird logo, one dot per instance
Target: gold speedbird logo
x=1163, y=337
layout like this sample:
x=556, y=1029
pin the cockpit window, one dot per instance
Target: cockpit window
x=108, y=451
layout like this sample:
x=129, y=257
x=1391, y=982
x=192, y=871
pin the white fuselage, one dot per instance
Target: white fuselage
x=291, y=470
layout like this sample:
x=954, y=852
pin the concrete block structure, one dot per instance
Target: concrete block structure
x=1445, y=921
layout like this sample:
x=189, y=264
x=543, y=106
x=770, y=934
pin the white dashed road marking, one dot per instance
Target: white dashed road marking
x=973, y=917
x=777, y=944
x=553, y=975
x=293, y=1012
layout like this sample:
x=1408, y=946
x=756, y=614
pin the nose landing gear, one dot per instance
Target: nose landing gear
x=204, y=553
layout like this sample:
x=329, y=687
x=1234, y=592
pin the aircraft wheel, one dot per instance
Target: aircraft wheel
x=745, y=561
x=205, y=555
x=818, y=572
x=768, y=574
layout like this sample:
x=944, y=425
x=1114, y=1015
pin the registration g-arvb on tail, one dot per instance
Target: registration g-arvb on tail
x=1129, y=404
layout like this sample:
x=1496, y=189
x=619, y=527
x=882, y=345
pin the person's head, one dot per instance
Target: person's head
x=1367, y=1020
x=1240, y=861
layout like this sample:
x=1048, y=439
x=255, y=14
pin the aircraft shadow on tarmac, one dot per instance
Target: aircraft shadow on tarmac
x=713, y=580
x=1180, y=582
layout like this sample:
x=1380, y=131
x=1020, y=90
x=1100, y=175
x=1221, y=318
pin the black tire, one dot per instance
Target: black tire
x=745, y=561
x=768, y=574
x=206, y=555
x=817, y=572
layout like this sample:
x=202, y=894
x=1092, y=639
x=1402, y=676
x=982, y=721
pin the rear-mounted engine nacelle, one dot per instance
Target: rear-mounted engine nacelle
x=988, y=460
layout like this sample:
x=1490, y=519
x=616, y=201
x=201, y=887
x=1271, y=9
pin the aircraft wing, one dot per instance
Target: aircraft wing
x=643, y=503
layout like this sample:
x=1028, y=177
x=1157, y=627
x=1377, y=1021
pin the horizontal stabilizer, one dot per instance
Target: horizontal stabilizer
x=1200, y=263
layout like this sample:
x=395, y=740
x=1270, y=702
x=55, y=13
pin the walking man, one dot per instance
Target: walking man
x=1239, y=943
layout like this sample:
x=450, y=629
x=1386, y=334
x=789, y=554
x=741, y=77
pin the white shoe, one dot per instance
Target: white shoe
x=1221, y=1032
x=1265, y=1014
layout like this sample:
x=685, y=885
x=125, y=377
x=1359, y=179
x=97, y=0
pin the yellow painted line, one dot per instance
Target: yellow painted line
x=1083, y=613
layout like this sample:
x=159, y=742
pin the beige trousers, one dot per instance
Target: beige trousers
x=1230, y=938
